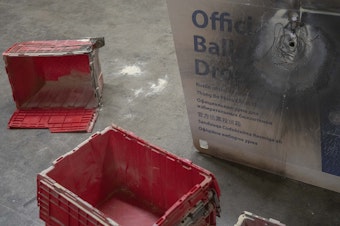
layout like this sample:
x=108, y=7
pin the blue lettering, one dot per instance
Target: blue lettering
x=214, y=48
x=203, y=15
x=201, y=67
x=222, y=22
x=199, y=44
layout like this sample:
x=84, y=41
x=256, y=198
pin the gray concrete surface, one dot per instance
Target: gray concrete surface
x=149, y=103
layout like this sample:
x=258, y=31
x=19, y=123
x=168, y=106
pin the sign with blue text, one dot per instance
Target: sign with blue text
x=262, y=83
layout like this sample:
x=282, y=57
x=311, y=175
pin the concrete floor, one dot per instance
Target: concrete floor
x=149, y=103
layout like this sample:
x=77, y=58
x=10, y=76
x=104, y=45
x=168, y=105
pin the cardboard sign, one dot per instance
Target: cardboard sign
x=262, y=83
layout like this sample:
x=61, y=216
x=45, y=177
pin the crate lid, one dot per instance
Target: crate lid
x=54, y=47
x=56, y=120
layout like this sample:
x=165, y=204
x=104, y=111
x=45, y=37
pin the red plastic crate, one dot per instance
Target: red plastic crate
x=115, y=178
x=250, y=219
x=55, y=78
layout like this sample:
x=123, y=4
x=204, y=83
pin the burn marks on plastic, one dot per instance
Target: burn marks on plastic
x=290, y=40
x=293, y=55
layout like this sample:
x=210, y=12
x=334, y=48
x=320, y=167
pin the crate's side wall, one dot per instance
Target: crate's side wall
x=68, y=82
x=98, y=75
x=51, y=68
x=149, y=173
x=56, y=210
x=52, y=81
x=86, y=172
x=23, y=77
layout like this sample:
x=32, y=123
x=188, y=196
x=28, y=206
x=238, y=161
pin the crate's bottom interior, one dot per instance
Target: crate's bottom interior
x=125, y=209
x=67, y=92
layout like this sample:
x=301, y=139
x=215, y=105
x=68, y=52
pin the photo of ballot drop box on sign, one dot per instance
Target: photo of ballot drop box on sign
x=262, y=83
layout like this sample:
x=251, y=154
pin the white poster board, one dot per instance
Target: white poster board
x=262, y=83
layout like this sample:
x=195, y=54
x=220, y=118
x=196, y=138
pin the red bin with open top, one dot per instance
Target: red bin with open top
x=55, y=84
x=115, y=178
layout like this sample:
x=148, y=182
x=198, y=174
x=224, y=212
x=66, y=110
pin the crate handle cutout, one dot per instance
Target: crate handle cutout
x=201, y=210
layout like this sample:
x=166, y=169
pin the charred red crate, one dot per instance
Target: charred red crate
x=250, y=219
x=55, y=84
x=115, y=178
